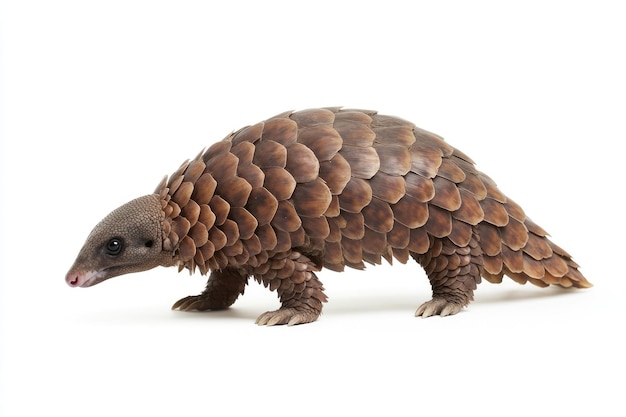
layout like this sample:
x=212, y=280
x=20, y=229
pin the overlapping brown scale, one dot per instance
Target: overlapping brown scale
x=433, y=141
x=461, y=233
x=451, y=171
x=186, y=249
x=316, y=227
x=217, y=148
x=279, y=182
x=389, y=188
x=336, y=173
x=172, y=210
x=419, y=242
x=246, y=222
x=286, y=218
x=334, y=234
x=361, y=116
x=364, y=162
x=356, y=195
x=323, y=140
x=253, y=245
x=313, y=117
x=494, y=212
x=395, y=135
x=234, y=190
x=352, y=252
x=177, y=177
x=183, y=194
x=420, y=187
x=298, y=237
x=207, y=250
x=231, y=230
x=492, y=266
x=374, y=242
x=333, y=257
x=204, y=189
x=354, y=133
x=220, y=208
x=281, y=130
x=463, y=161
x=244, y=151
x=180, y=227
x=311, y=199
x=556, y=266
x=252, y=174
x=492, y=189
x=248, y=134
x=394, y=159
x=410, y=212
x=534, y=228
x=378, y=216
x=382, y=120
x=373, y=259
x=194, y=171
x=352, y=225
x=333, y=208
x=514, y=234
x=470, y=211
x=267, y=237
x=474, y=185
x=262, y=205
x=537, y=247
x=222, y=166
x=447, y=195
x=515, y=210
x=399, y=236
x=191, y=211
x=269, y=154
x=199, y=234
x=490, y=240
x=302, y=163
x=425, y=160
x=514, y=260
x=533, y=268
x=233, y=250
x=439, y=222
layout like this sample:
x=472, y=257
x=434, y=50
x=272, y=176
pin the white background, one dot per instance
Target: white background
x=101, y=99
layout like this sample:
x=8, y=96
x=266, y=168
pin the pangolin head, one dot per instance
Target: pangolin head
x=129, y=239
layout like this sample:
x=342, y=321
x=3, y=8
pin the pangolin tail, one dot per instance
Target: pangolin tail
x=535, y=259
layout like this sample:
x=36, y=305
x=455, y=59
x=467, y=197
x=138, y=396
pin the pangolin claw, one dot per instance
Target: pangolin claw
x=288, y=316
x=191, y=303
x=438, y=306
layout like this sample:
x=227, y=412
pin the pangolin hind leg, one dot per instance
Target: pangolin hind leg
x=222, y=290
x=454, y=272
x=301, y=294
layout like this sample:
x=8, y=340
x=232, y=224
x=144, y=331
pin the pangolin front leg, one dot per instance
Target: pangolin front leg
x=222, y=290
x=301, y=294
x=454, y=272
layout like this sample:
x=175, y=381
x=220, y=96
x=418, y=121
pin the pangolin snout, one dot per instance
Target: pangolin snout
x=80, y=279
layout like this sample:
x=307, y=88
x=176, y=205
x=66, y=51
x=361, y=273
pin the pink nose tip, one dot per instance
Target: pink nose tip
x=72, y=280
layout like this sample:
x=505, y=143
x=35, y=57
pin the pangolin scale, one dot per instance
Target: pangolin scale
x=330, y=187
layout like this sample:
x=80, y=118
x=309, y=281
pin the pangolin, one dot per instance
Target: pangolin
x=328, y=187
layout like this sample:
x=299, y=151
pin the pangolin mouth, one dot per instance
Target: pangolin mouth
x=86, y=278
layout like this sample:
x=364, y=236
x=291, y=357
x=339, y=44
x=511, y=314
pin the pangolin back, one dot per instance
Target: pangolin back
x=344, y=187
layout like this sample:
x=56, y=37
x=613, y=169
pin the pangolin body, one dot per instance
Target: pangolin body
x=331, y=188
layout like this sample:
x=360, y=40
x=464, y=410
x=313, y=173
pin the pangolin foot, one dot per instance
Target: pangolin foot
x=439, y=306
x=287, y=315
x=193, y=303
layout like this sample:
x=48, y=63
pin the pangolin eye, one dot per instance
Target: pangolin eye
x=114, y=247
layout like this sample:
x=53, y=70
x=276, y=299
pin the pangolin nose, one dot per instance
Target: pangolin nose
x=72, y=280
